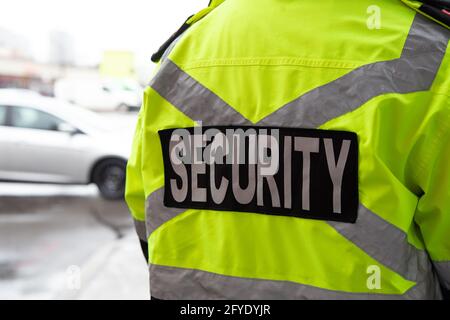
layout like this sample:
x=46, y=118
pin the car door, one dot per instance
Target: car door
x=38, y=151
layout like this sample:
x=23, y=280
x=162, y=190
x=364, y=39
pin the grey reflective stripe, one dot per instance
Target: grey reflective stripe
x=378, y=238
x=425, y=37
x=172, y=283
x=422, y=55
x=140, y=229
x=157, y=213
x=443, y=271
x=385, y=243
x=192, y=98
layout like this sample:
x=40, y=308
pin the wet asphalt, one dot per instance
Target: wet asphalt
x=44, y=233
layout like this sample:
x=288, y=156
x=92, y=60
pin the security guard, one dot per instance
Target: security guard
x=291, y=150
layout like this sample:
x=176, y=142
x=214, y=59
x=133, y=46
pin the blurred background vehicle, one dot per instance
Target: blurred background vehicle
x=48, y=140
x=63, y=238
x=100, y=94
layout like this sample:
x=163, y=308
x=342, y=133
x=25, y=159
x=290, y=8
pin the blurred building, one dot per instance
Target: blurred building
x=62, y=49
x=40, y=77
x=14, y=45
x=19, y=68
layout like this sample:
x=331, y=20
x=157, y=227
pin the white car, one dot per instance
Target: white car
x=100, y=94
x=46, y=140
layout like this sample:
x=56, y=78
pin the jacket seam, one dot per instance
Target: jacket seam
x=270, y=61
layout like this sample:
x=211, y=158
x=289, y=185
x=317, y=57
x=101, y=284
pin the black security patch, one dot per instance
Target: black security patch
x=304, y=173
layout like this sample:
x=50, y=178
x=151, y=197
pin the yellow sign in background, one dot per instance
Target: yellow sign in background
x=117, y=64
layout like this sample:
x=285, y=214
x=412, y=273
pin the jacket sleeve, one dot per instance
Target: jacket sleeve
x=432, y=171
x=134, y=185
x=134, y=189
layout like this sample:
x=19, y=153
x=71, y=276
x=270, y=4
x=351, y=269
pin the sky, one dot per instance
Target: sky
x=140, y=26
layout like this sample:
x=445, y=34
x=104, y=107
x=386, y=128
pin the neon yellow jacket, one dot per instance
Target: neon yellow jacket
x=381, y=71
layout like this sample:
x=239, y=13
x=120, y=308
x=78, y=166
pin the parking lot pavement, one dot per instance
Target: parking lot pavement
x=116, y=271
x=64, y=242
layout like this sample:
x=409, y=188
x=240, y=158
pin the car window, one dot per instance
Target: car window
x=23, y=117
x=2, y=115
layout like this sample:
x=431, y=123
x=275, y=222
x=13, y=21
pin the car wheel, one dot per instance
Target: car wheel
x=123, y=107
x=109, y=176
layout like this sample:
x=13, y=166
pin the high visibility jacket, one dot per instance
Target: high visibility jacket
x=376, y=76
